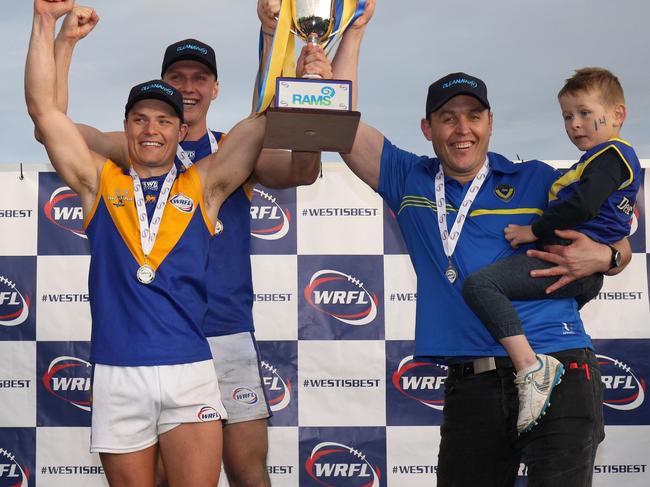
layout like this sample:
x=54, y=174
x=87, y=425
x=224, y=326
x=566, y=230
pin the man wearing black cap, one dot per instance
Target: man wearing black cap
x=190, y=66
x=452, y=210
x=149, y=228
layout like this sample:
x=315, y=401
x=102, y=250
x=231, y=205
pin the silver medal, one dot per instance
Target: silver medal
x=145, y=274
x=451, y=274
x=218, y=227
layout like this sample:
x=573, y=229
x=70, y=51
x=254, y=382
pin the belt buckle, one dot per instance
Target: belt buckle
x=484, y=364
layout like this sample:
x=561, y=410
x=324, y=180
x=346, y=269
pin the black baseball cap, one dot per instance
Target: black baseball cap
x=190, y=50
x=158, y=90
x=454, y=84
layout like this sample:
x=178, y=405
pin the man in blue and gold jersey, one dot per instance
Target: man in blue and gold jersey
x=452, y=210
x=190, y=66
x=149, y=226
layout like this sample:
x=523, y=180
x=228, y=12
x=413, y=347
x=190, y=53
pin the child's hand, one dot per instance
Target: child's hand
x=518, y=234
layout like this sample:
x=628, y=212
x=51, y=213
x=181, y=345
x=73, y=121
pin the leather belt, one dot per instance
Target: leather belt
x=478, y=366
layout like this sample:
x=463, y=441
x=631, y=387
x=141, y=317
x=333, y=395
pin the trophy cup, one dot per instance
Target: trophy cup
x=312, y=114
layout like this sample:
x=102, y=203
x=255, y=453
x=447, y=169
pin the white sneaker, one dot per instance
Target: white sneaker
x=535, y=387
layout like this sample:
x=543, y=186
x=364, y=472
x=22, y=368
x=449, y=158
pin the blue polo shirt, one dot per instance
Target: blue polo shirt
x=512, y=193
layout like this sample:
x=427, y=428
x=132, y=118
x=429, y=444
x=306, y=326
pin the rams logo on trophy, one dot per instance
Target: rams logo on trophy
x=504, y=192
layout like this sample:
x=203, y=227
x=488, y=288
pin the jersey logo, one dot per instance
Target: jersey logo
x=626, y=206
x=119, y=198
x=182, y=203
x=504, y=192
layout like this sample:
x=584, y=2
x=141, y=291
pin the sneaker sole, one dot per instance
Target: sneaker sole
x=557, y=378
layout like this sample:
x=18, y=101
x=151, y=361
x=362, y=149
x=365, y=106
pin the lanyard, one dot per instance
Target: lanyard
x=450, y=239
x=185, y=159
x=149, y=231
x=187, y=163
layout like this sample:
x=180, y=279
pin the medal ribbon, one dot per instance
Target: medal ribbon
x=185, y=159
x=450, y=239
x=149, y=231
x=282, y=61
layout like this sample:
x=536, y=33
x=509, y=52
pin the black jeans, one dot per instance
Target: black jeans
x=489, y=290
x=479, y=444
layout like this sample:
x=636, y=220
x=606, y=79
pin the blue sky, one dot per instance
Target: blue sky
x=523, y=49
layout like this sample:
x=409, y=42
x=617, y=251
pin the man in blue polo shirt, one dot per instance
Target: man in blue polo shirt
x=452, y=210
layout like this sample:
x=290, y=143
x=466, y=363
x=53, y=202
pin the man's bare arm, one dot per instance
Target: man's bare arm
x=68, y=152
x=279, y=168
x=225, y=170
x=76, y=26
x=365, y=156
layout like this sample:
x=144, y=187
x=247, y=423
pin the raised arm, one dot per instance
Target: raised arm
x=67, y=150
x=365, y=156
x=78, y=23
x=225, y=170
x=280, y=168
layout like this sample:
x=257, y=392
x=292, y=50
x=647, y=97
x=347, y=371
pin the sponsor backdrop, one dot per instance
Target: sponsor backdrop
x=334, y=310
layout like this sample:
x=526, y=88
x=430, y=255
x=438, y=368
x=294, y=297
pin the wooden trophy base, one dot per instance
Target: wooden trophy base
x=311, y=130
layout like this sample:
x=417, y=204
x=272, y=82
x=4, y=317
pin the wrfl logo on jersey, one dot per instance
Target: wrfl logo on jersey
x=623, y=390
x=64, y=210
x=68, y=379
x=336, y=464
x=421, y=381
x=322, y=100
x=182, y=203
x=272, y=222
x=14, y=307
x=278, y=390
x=341, y=296
x=12, y=474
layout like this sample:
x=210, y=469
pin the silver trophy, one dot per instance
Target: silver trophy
x=313, y=22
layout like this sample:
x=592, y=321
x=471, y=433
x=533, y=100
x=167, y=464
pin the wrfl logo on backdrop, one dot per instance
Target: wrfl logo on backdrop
x=623, y=390
x=14, y=307
x=64, y=210
x=68, y=379
x=273, y=221
x=12, y=474
x=332, y=463
x=322, y=100
x=341, y=296
x=277, y=388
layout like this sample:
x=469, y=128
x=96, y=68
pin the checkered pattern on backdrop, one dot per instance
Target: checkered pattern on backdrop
x=334, y=312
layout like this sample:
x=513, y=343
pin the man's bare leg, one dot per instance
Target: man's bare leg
x=134, y=469
x=245, y=446
x=191, y=454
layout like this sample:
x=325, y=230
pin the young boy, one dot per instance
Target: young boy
x=596, y=196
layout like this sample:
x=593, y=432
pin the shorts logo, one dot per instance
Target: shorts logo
x=245, y=395
x=335, y=462
x=182, y=203
x=623, y=391
x=421, y=381
x=276, y=220
x=11, y=472
x=208, y=413
x=504, y=192
x=329, y=291
x=68, y=379
x=14, y=307
x=64, y=210
x=278, y=390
